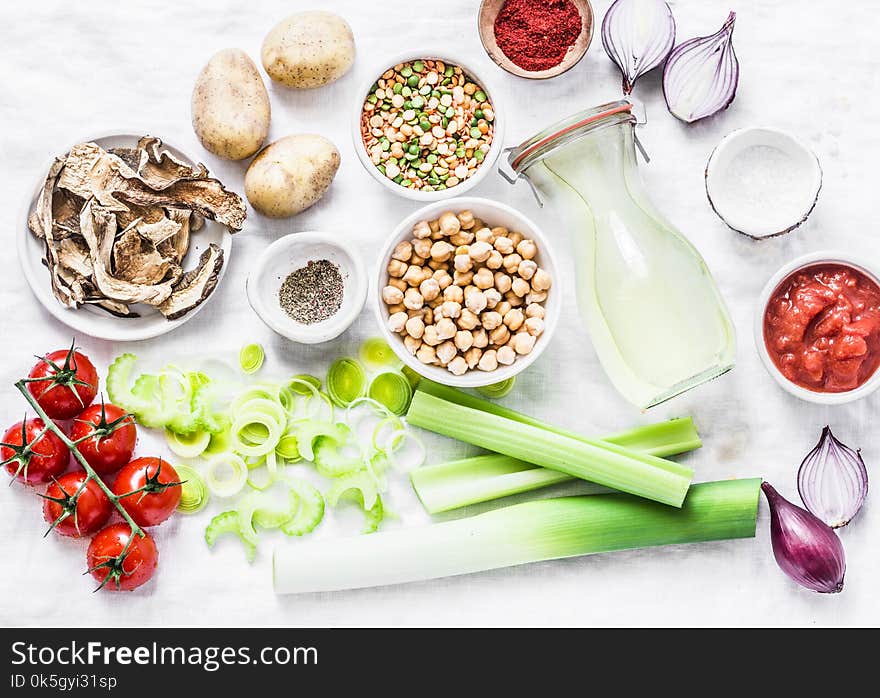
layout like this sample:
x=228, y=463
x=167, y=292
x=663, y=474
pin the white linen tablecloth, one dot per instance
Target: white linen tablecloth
x=75, y=70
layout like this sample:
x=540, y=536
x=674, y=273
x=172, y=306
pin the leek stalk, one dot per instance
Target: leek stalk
x=602, y=462
x=459, y=483
x=544, y=529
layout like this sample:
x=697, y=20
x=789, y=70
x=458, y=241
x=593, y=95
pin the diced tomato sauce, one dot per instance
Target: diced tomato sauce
x=822, y=327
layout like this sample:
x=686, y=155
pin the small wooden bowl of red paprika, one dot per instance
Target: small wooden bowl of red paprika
x=536, y=39
x=817, y=329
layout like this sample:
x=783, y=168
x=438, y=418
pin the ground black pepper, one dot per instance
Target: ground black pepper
x=312, y=293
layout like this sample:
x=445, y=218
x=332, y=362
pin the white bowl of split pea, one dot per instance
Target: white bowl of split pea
x=427, y=126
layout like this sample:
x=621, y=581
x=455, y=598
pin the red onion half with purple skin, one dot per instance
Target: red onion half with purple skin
x=701, y=75
x=833, y=481
x=637, y=35
x=805, y=547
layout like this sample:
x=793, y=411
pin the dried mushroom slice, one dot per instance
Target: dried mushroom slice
x=73, y=254
x=194, y=286
x=136, y=259
x=99, y=230
x=177, y=246
x=113, y=307
x=161, y=168
x=133, y=157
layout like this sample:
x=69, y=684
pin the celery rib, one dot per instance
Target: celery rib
x=544, y=529
x=602, y=462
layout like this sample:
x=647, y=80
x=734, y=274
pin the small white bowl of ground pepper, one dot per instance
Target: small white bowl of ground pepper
x=427, y=127
x=308, y=287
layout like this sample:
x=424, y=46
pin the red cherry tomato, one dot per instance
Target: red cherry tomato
x=85, y=514
x=113, y=440
x=33, y=460
x=129, y=572
x=70, y=384
x=160, y=493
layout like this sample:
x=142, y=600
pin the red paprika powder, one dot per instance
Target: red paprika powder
x=536, y=34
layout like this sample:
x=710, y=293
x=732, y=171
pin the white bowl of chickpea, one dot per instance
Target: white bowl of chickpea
x=467, y=292
x=433, y=131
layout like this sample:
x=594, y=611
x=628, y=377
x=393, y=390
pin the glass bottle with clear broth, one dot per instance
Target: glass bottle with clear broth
x=655, y=316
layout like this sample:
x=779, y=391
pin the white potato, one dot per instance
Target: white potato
x=230, y=106
x=308, y=49
x=291, y=174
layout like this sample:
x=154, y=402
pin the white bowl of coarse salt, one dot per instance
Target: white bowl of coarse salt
x=762, y=181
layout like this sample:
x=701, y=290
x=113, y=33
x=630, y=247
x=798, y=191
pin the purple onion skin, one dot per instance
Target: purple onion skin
x=805, y=548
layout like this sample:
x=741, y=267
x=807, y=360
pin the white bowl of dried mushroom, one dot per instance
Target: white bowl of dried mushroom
x=467, y=292
x=125, y=237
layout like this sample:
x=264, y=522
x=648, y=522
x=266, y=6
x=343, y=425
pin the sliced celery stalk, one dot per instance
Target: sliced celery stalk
x=597, y=461
x=544, y=529
x=459, y=483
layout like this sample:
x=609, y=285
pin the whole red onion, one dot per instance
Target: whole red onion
x=805, y=548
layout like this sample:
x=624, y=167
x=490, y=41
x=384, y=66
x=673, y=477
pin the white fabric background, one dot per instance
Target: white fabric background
x=72, y=70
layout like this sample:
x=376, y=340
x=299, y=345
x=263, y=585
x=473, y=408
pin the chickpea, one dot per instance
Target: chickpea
x=417, y=261
x=462, y=237
x=527, y=269
x=443, y=278
x=516, y=238
x=399, y=308
x=478, y=224
x=429, y=288
x=514, y=319
x=503, y=245
x=513, y=299
x=412, y=344
x=397, y=321
x=415, y=327
x=527, y=249
x=523, y=343
x=446, y=352
x=499, y=335
x=490, y=320
x=485, y=235
x=422, y=248
x=536, y=297
x=480, y=251
x=398, y=284
x=413, y=276
x=468, y=320
x=426, y=354
x=434, y=225
x=396, y=268
x=454, y=294
x=392, y=295
x=449, y=224
x=462, y=249
x=503, y=307
x=451, y=309
x=421, y=230
x=463, y=263
x=535, y=310
x=511, y=263
x=541, y=281
x=435, y=265
x=500, y=231
x=520, y=287
x=466, y=219
x=464, y=340
x=403, y=251
x=428, y=316
x=462, y=278
x=445, y=329
x=437, y=234
x=502, y=282
x=483, y=279
x=488, y=361
x=441, y=250
x=475, y=301
x=458, y=366
x=431, y=336
x=534, y=326
x=472, y=356
x=481, y=338
x=412, y=299
x=495, y=260
x=506, y=355
x=493, y=297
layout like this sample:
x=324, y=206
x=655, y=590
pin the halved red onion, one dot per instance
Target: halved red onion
x=805, y=548
x=637, y=36
x=701, y=75
x=833, y=481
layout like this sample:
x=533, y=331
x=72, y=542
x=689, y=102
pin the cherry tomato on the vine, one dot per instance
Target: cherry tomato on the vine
x=113, y=437
x=115, y=571
x=33, y=460
x=159, y=487
x=82, y=513
x=69, y=386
